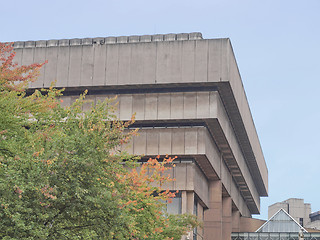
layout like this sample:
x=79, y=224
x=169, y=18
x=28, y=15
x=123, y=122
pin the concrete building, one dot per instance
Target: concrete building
x=296, y=207
x=299, y=210
x=189, y=101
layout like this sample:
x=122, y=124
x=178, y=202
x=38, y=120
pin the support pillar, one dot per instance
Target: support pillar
x=213, y=215
x=226, y=218
x=236, y=221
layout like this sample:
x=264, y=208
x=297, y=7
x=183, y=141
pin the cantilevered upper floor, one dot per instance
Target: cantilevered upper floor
x=155, y=69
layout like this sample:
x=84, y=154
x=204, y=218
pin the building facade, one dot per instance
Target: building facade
x=189, y=102
x=299, y=210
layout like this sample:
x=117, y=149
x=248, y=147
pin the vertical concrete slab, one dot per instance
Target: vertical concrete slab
x=183, y=202
x=124, y=74
x=213, y=215
x=99, y=64
x=176, y=106
x=181, y=176
x=214, y=60
x=201, y=145
x=164, y=106
x=40, y=57
x=18, y=57
x=153, y=142
x=190, y=105
x=226, y=177
x=75, y=66
x=165, y=141
x=86, y=77
x=151, y=106
x=177, y=141
x=137, y=63
x=201, y=61
x=140, y=143
x=190, y=141
x=190, y=202
x=169, y=55
x=149, y=63
x=188, y=61
x=203, y=106
x=213, y=98
x=138, y=106
x=125, y=106
x=112, y=64
x=226, y=218
x=51, y=66
x=235, y=221
x=63, y=66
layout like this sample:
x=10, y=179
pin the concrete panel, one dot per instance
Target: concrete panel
x=190, y=140
x=86, y=76
x=138, y=106
x=99, y=64
x=151, y=108
x=124, y=74
x=165, y=141
x=164, y=106
x=27, y=58
x=40, y=57
x=137, y=63
x=226, y=177
x=149, y=63
x=112, y=64
x=125, y=107
x=189, y=105
x=213, y=154
x=214, y=61
x=201, y=145
x=169, y=62
x=140, y=143
x=63, y=66
x=51, y=68
x=75, y=66
x=181, y=176
x=177, y=141
x=213, y=98
x=201, y=60
x=201, y=185
x=153, y=142
x=177, y=106
x=18, y=57
x=188, y=61
x=203, y=108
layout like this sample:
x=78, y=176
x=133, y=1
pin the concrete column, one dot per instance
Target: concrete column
x=236, y=221
x=226, y=218
x=213, y=215
x=184, y=202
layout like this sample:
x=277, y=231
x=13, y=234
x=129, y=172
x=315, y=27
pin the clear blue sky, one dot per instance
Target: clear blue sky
x=277, y=46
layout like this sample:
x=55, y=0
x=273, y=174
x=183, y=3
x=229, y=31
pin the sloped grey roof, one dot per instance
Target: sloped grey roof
x=281, y=221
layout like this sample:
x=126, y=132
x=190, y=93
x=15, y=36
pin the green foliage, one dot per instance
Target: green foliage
x=62, y=174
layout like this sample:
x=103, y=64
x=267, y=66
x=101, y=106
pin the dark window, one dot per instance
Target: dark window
x=301, y=221
x=175, y=206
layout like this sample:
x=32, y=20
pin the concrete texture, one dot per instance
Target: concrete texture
x=187, y=95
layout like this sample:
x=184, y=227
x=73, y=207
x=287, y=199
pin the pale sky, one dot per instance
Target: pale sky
x=277, y=47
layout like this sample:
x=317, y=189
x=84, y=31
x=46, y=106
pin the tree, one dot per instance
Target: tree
x=62, y=175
